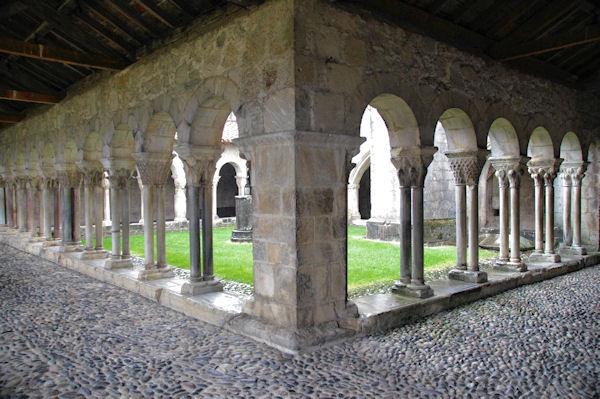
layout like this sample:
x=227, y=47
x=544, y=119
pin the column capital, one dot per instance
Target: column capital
x=68, y=175
x=572, y=172
x=118, y=177
x=543, y=170
x=411, y=164
x=153, y=167
x=199, y=163
x=466, y=166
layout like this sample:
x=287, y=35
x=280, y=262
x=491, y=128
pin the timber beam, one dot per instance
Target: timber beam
x=25, y=96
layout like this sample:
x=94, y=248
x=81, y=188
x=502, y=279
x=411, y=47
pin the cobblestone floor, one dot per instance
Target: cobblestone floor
x=65, y=335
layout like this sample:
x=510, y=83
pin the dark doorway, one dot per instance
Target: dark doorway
x=364, y=195
x=226, y=191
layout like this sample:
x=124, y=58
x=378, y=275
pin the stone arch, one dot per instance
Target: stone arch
x=540, y=145
x=459, y=130
x=92, y=148
x=160, y=134
x=122, y=144
x=570, y=148
x=503, y=139
x=402, y=125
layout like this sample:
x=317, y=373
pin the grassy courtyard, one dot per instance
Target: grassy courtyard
x=368, y=261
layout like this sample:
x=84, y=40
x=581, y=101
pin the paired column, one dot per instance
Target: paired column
x=3, y=213
x=70, y=180
x=508, y=172
x=48, y=187
x=466, y=167
x=106, y=196
x=543, y=173
x=572, y=174
x=411, y=165
x=22, y=204
x=93, y=201
x=154, y=171
x=120, y=256
x=199, y=163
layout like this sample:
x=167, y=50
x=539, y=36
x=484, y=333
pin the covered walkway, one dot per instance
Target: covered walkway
x=65, y=333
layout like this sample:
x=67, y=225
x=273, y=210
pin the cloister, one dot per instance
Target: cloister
x=297, y=77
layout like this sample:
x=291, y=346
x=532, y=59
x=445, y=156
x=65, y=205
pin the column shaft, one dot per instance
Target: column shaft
x=207, y=247
x=567, y=236
x=99, y=216
x=405, y=235
x=576, y=214
x=502, y=193
x=57, y=213
x=461, y=227
x=67, y=215
x=515, y=245
x=549, y=248
x=125, y=221
x=539, y=214
x=48, y=210
x=9, y=205
x=22, y=207
x=2, y=206
x=42, y=211
x=76, y=219
x=88, y=214
x=115, y=208
x=148, y=215
x=161, y=248
x=30, y=207
x=473, y=206
x=417, y=236
x=194, y=228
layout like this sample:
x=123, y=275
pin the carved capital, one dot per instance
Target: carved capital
x=572, y=172
x=466, y=166
x=199, y=163
x=543, y=171
x=153, y=167
x=69, y=177
x=509, y=170
x=411, y=164
x=119, y=177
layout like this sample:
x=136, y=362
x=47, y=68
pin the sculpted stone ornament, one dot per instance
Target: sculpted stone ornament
x=153, y=167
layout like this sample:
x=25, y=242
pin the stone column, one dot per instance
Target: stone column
x=508, y=170
x=215, y=184
x=154, y=171
x=2, y=206
x=8, y=190
x=106, y=195
x=565, y=175
x=405, y=225
x=22, y=204
x=299, y=241
x=69, y=178
x=141, y=188
x=412, y=164
x=57, y=213
x=125, y=219
x=30, y=194
x=544, y=172
x=93, y=199
x=467, y=168
x=577, y=174
x=41, y=191
x=199, y=163
x=118, y=181
x=48, y=208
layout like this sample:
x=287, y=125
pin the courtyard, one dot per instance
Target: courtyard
x=65, y=334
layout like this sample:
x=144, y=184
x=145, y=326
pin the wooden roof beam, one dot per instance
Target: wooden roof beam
x=155, y=13
x=509, y=52
x=53, y=54
x=25, y=96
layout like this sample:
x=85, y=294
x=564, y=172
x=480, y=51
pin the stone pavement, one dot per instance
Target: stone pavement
x=66, y=335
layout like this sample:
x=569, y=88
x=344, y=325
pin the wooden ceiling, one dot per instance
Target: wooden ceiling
x=47, y=45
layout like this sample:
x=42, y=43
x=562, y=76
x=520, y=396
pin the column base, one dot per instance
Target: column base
x=572, y=251
x=544, y=258
x=415, y=291
x=195, y=288
x=469, y=276
x=70, y=247
x=37, y=239
x=3, y=228
x=90, y=254
x=241, y=236
x=509, y=266
x=118, y=263
x=24, y=234
x=51, y=243
x=156, y=273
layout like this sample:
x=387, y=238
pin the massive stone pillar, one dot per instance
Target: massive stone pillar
x=119, y=175
x=411, y=165
x=572, y=174
x=543, y=173
x=200, y=163
x=299, y=247
x=70, y=180
x=466, y=167
x=93, y=203
x=508, y=170
x=154, y=171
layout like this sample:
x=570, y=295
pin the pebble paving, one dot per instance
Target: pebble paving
x=66, y=335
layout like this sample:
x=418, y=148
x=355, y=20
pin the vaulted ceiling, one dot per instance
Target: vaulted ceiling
x=47, y=45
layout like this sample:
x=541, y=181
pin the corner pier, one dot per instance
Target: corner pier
x=377, y=312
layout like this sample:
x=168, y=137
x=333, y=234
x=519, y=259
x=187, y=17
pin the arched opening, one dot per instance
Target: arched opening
x=364, y=195
x=226, y=191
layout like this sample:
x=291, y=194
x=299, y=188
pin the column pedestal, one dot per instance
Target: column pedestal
x=194, y=288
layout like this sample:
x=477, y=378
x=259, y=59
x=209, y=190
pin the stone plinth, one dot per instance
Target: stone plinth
x=155, y=274
x=469, y=276
x=111, y=264
x=243, y=219
x=195, y=288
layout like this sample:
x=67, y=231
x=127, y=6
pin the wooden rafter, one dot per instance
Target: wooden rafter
x=156, y=13
x=508, y=52
x=25, y=96
x=10, y=118
x=53, y=54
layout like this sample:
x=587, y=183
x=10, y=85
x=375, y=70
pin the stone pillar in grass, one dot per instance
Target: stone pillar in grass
x=299, y=188
x=199, y=163
x=467, y=168
x=543, y=173
x=411, y=165
x=154, y=171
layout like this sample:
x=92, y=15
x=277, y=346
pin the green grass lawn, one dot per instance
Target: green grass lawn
x=368, y=261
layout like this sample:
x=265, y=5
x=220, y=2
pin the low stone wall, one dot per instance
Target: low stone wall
x=138, y=228
x=436, y=231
